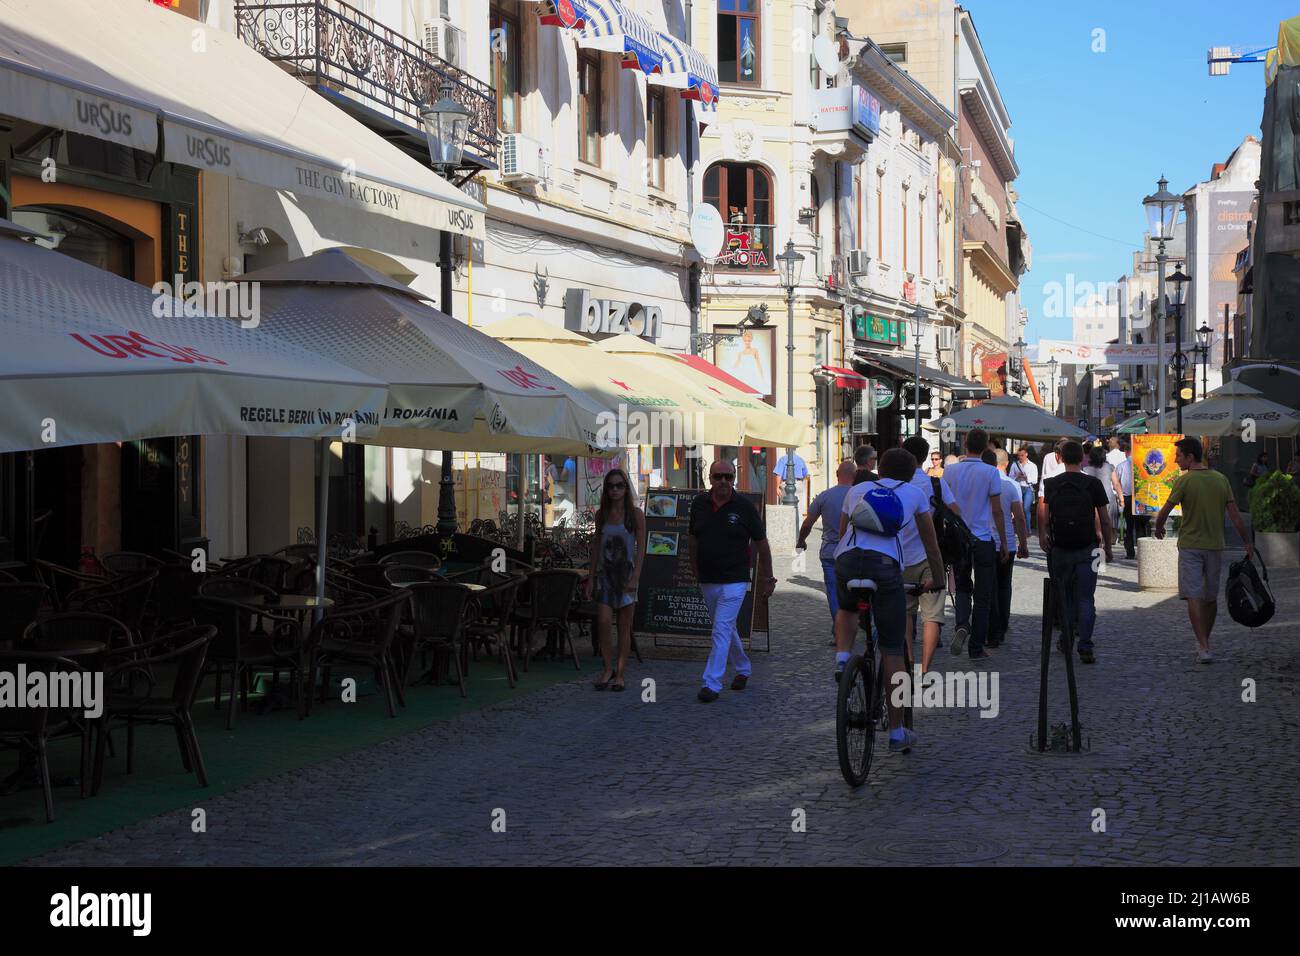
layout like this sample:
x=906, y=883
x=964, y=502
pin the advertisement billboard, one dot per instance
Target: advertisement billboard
x=1229, y=215
x=1154, y=472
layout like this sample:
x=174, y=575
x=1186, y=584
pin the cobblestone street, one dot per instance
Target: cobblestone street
x=1186, y=772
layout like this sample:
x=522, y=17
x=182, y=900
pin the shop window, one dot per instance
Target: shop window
x=80, y=238
x=656, y=137
x=739, y=36
x=742, y=194
x=591, y=109
x=506, y=69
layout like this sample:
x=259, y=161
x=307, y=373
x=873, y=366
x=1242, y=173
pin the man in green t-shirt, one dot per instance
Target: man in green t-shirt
x=1205, y=496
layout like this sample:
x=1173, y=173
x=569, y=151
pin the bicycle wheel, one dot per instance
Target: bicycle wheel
x=907, y=669
x=855, y=731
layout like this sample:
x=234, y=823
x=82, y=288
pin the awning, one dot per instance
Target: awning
x=688, y=70
x=117, y=74
x=614, y=28
x=962, y=389
x=567, y=14
x=843, y=377
x=711, y=370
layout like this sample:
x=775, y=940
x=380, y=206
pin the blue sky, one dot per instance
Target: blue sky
x=1094, y=130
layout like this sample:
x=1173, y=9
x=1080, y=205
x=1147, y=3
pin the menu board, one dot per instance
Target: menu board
x=670, y=601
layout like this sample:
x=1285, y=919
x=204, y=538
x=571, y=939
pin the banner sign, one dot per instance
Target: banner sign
x=1077, y=353
x=1154, y=472
x=873, y=328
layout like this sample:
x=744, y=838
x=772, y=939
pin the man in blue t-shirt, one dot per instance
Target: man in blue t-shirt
x=978, y=490
x=798, y=471
x=828, y=506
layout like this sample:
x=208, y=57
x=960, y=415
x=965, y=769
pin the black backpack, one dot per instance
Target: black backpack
x=955, y=538
x=1250, y=602
x=1072, y=515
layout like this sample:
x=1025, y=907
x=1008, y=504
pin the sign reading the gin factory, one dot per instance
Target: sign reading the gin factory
x=582, y=313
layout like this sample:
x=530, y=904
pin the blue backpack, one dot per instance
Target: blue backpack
x=879, y=512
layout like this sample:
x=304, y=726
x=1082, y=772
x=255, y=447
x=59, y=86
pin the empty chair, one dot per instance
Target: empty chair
x=129, y=562
x=551, y=594
x=360, y=635
x=372, y=576
x=31, y=729
x=417, y=559
x=267, y=570
x=174, y=594
x=125, y=598
x=65, y=627
x=440, y=610
x=135, y=697
x=399, y=575
x=19, y=604
x=491, y=626
x=63, y=581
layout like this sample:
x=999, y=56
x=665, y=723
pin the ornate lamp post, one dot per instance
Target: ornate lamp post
x=1162, y=208
x=1203, y=346
x=790, y=263
x=1052, y=363
x=445, y=124
x=1179, y=280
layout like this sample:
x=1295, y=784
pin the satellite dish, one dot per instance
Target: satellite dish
x=826, y=55
x=706, y=231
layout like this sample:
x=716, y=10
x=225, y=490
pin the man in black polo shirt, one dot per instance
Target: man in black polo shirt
x=722, y=526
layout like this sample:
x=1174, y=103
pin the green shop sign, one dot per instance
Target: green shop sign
x=882, y=392
x=873, y=328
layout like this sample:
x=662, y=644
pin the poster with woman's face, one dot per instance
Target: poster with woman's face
x=749, y=358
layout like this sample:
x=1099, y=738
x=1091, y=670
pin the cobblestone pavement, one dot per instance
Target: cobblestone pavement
x=1185, y=771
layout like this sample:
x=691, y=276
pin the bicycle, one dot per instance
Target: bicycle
x=859, y=715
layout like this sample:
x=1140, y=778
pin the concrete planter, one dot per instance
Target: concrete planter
x=1279, y=549
x=1157, y=564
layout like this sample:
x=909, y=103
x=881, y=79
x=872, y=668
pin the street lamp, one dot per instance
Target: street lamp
x=1162, y=213
x=1052, y=363
x=445, y=124
x=917, y=318
x=1203, y=346
x=1019, y=346
x=790, y=264
x=1179, y=280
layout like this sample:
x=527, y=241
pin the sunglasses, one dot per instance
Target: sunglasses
x=616, y=486
x=722, y=477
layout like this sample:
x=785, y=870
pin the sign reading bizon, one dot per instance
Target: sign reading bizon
x=583, y=313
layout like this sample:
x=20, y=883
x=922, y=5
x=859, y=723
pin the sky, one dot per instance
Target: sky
x=1093, y=131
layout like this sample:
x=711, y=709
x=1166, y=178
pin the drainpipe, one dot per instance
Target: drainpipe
x=958, y=257
x=692, y=131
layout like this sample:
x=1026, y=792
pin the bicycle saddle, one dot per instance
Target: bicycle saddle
x=861, y=584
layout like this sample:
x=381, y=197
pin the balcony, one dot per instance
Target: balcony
x=376, y=74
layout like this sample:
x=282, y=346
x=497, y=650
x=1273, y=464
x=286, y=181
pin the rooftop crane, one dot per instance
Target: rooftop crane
x=1221, y=58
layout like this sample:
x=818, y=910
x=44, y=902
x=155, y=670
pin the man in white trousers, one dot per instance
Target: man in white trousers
x=723, y=527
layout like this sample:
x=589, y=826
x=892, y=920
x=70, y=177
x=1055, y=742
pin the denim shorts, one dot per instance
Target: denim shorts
x=888, y=604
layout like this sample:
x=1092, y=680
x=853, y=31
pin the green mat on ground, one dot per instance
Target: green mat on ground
x=260, y=746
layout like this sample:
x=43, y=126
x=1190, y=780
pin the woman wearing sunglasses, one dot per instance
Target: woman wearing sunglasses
x=616, y=571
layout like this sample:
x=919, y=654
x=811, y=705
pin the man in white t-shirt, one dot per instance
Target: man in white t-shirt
x=1013, y=518
x=1115, y=454
x=925, y=609
x=1025, y=475
x=1052, y=464
x=866, y=554
x=1124, y=471
x=978, y=489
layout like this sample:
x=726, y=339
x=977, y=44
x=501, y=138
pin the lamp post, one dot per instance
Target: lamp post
x=1162, y=212
x=790, y=263
x=1179, y=280
x=917, y=316
x=1052, y=363
x=1203, y=346
x=1019, y=346
x=445, y=124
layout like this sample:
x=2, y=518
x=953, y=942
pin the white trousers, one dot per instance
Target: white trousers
x=724, y=601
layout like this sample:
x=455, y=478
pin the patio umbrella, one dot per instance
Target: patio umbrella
x=1224, y=409
x=449, y=386
x=1137, y=425
x=1011, y=417
x=764, y=426
x=652, y=407
x=87, y=358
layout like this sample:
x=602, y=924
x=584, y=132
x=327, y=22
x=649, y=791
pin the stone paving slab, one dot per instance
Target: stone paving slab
x=1185, y=771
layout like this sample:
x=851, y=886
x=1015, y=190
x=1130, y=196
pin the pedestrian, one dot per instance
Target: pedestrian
x=1100, y=468
x=1072, y=506
x=950, y=460
x=1116, y=454
x=828, y=506
x=1052, y=464
x=1025, y=475
x=936, y=465
x=865, y=458
x=1205, y=496
x=889, y=505
x=723, y=525
x=616, y=559
x=1013, y=518
x=799, y=472
x=1257, y=470
x=1125, y=473
x=978, y=490
x=924, y=609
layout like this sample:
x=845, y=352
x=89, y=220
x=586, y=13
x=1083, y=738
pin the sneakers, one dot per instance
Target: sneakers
x=1087, y=657
x=740, y=682
x=904, y=745
x=706, y=695
x=1204, y=657
x=980, y=655
x=959, y=639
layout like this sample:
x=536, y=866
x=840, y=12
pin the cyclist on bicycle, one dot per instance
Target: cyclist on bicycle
x=874, y=514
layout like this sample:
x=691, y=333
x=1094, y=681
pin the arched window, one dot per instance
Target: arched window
x=742, y=194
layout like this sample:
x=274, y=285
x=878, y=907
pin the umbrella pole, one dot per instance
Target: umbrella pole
x=322, y=525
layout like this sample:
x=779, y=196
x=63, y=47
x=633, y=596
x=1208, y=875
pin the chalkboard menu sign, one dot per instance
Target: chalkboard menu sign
x=670, y=602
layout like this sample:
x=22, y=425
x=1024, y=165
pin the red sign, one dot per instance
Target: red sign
x=706, y=93
x=136, y=345
x=524, y=379
x=909, y=291
x=993, y=373
x=568, y=16
x=739, y=253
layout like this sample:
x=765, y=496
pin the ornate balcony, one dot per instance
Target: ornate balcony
x=376, y=74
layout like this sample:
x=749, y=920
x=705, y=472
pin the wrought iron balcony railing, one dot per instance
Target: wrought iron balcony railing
x=334, y=45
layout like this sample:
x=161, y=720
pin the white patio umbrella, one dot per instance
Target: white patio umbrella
x=449, y=386
x=1224, y=410
x=1011, y=417
x=85, y=359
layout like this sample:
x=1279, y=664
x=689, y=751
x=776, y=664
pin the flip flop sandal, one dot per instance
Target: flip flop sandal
x=615, y=687
x=601, y=684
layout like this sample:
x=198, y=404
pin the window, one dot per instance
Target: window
x=656, y=137
x=920, y=236
x=903, y=220
x=739, y=36
x=591, y=109
x=742, y=194
x=859, y=240
x=895, y=51
x=880, y=218
x=1291, y=213
x=506, y=70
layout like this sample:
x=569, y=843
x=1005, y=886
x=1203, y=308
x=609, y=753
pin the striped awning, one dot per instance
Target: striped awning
x=688, y=70
x=569, y=14
x=614, y=28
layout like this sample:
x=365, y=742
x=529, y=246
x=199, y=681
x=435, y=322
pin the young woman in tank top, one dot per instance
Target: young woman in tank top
x=616, y=558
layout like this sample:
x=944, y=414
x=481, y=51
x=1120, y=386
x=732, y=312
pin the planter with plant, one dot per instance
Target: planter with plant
x=1274, y=518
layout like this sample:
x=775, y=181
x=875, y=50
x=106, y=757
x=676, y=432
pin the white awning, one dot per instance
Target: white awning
x=688, y=70
x=114, y=70
x=614, y=28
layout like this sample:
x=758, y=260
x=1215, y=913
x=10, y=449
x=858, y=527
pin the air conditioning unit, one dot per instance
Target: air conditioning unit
x=445, y=41
x=862, y=413
x=945, y=338
x=521, y=159
x=859, y=262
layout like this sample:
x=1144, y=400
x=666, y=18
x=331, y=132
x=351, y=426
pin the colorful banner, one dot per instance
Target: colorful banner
x=1078, y=353
x=993, y=373
x=1154, y=472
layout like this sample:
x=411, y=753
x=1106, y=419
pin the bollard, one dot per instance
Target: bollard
x=1053, y=605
